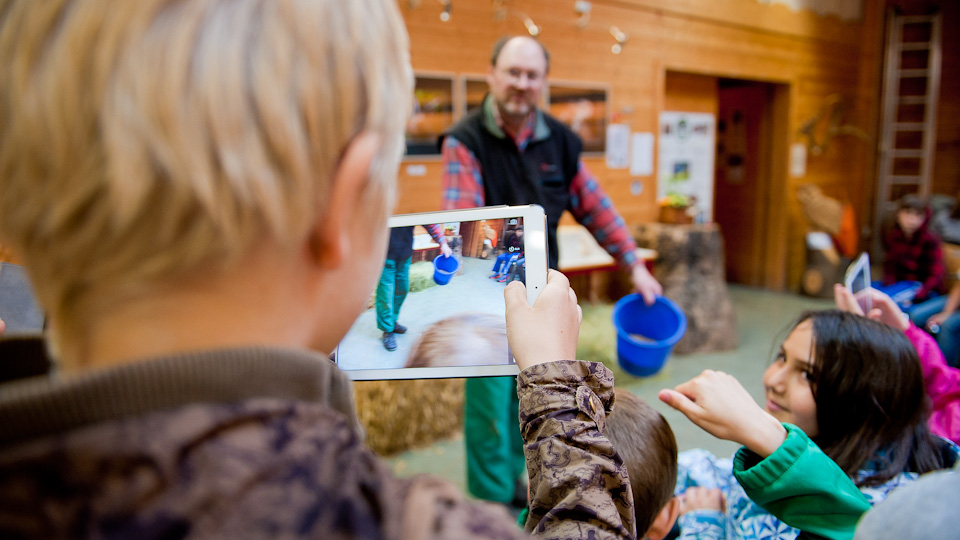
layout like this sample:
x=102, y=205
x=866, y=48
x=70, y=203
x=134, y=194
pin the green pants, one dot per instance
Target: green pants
x=491, y=429
x=391, y=292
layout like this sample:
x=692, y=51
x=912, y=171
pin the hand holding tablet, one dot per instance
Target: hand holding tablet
x=453, y=326
x=546, y=331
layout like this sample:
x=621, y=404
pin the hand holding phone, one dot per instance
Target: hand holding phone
x=883, y=309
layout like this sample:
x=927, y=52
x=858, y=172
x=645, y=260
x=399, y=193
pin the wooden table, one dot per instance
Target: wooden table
x=591, y=270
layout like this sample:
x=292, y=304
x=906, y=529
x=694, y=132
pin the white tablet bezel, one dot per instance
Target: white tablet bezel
x=535, y=247
x=860, y=267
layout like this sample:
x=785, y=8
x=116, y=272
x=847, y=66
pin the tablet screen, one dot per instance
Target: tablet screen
x=439, y=301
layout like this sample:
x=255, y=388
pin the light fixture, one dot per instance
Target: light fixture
x=532, y=27
x=582, y=8
x=621, y=38
x=447, y=7
x=500, y=12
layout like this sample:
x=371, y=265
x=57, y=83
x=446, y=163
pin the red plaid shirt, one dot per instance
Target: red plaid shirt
x=915, y=258
x=589, y=204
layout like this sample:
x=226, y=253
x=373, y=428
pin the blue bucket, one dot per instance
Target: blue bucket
x=646, y=334
x=444, y=268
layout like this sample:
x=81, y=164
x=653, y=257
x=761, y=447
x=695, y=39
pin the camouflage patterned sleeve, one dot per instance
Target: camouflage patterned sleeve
x=578, y=483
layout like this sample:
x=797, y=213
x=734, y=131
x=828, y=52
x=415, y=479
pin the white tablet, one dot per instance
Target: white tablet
x=438, y=309
x=857, y=279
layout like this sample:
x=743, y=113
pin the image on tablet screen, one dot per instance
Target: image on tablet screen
x=444, y=310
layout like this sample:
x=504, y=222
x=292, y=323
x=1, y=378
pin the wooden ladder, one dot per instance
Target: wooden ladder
x=908, y=127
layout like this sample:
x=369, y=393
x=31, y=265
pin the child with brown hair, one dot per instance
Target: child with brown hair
x=646, y=444
x=912, y=254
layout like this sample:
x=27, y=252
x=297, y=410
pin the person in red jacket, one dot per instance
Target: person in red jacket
x=912, y=253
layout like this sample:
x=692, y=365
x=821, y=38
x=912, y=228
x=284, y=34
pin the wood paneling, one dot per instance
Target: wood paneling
x=811, y=57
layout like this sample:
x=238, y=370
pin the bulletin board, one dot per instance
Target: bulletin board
x=687, y=145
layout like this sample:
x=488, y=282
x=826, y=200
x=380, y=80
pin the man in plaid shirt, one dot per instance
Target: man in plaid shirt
x=510, y=152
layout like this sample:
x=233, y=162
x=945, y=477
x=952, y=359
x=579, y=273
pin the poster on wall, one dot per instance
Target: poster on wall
x=685, y=158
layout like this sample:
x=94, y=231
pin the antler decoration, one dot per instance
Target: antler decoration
x=835, y=108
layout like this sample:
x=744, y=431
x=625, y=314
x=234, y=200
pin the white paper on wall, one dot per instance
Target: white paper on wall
x=798, y=160
x=641, y=154
x=686, y=151
x=618, y=141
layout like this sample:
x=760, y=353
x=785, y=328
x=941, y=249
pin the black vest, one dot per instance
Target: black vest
x=541, y=174
x=400, y=247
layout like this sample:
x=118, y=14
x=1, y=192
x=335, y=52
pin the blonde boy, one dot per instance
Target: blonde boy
x=199, y=189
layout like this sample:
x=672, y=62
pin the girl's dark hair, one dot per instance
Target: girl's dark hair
x=868, y=386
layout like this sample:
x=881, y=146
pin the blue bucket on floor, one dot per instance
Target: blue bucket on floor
x=646, y=334
x=444, y=268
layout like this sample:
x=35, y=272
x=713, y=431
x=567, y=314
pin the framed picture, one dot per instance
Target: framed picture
x=432, y=113
x=475, y=88
x=584, y=109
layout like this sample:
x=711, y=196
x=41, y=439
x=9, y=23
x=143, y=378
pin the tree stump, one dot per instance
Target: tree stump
x=690, y=267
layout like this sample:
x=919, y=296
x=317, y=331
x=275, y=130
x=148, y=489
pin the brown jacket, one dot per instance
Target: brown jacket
x=264, y=443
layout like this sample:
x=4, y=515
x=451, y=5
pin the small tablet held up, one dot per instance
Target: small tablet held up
x=857, y=279
x=438, y=310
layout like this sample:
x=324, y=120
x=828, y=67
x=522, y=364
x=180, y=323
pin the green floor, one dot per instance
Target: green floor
x=762, y=318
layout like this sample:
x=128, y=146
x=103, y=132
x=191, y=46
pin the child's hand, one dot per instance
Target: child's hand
x=546, y=331
x=936, y=319
x=884, y=310
x=719, y=404
x=701, y=498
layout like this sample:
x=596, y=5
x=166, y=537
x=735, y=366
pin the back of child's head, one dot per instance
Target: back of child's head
x=147, y=140
x=645, y=442
x=867, y=383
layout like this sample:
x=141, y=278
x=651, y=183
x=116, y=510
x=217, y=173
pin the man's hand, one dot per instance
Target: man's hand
x=701, y=498
x=884, y=308
x=445, y=249
x=546, y=331
x=3, y=327
x=719, y=404
x=645, y=284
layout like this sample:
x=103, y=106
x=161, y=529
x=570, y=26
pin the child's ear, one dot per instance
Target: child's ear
x=329, y=241
x=664, y=522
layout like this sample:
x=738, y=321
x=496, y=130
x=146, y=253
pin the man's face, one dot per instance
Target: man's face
x=517, y=80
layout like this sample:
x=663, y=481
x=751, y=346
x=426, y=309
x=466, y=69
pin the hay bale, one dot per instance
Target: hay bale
x=402, y=415
x=421, y=276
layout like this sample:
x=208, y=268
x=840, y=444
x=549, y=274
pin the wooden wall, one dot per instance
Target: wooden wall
x=946, y=166
x=813, y=56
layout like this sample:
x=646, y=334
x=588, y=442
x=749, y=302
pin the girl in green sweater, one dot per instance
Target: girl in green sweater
x=843, y=383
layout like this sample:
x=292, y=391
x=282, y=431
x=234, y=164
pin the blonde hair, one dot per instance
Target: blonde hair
x=142, y=140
